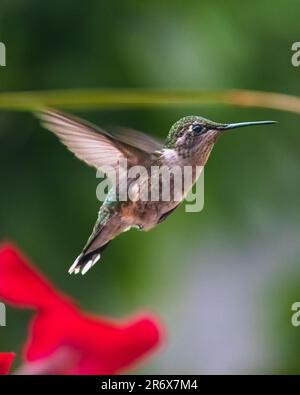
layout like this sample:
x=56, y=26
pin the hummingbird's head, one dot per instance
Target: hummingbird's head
x=194, y=134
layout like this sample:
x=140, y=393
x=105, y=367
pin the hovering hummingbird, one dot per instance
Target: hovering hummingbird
x=188, y=143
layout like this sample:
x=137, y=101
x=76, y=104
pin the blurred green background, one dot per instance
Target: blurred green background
x=223, y=280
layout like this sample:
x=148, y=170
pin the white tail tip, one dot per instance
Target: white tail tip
x=90, y=264
x=73, y=267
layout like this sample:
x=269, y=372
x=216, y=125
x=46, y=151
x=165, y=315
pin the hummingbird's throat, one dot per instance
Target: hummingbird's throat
x=198, y=152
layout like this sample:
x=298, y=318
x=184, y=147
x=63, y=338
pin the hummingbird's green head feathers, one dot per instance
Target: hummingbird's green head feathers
x=195, y=132
x=191, y=131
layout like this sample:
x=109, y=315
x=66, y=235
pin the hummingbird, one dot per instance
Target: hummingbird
x=188, y=143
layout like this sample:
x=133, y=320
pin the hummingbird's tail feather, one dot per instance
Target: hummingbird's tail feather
x=105, y=229
x=82, y=264
x=85, y=261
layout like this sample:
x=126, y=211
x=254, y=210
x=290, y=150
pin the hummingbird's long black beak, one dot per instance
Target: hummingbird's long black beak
x=230, y=126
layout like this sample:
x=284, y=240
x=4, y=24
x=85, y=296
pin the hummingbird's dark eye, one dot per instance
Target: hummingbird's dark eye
x=197, y=128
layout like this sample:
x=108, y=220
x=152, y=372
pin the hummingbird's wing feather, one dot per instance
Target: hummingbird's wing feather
x=138, y=139
x=89, y=143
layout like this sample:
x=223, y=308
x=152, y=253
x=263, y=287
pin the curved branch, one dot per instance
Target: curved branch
x=133, y=98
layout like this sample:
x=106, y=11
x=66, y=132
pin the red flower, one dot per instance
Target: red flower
x=6, y=360
x=63, y=339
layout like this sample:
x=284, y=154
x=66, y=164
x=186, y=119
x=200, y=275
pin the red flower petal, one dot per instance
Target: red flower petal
x=6, y=360
x=102, y=347
x=22, y=284
x=62, y=338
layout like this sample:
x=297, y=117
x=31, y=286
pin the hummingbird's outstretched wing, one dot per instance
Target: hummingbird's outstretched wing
x=138, y=139
x=93, y=145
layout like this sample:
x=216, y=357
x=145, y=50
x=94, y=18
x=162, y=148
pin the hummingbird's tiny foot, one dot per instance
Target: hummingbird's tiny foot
x=77, y=270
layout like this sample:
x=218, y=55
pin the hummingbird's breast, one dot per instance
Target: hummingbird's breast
x=156, y=189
